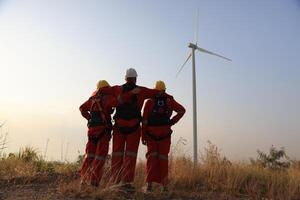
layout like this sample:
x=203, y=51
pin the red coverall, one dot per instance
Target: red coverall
x=125, y=145
x=98, y=136
x=158, y=140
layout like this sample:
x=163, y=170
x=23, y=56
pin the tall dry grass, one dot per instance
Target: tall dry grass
x=216, y=174
x=215, y=177
x=28, y=163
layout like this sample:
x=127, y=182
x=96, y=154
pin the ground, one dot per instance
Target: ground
x=66, y=186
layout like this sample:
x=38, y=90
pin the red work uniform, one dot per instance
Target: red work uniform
x=127, y=130
x=97, y=110
x=156, y=133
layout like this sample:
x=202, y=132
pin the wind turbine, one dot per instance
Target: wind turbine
x=195, y=47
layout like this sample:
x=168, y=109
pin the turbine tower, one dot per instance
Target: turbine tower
x=195, y=47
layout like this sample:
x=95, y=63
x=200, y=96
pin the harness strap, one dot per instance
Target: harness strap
x=158, y=138
x=128, y=110
x=127, y=130
x=101, y=111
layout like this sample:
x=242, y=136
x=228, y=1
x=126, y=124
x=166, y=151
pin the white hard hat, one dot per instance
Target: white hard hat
x=131, y=73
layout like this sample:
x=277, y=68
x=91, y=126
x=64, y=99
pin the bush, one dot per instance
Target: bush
x=277, y=159
x=28, y=154
x=44, y=166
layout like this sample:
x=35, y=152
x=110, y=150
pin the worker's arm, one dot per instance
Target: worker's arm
x=112, y=101
x=148, y=93
x=179, y=109
x=116, y=91
x=85, y=109
x=113, y=90
x=146, y=113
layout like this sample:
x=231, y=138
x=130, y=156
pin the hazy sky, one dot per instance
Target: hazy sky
x=52, y=53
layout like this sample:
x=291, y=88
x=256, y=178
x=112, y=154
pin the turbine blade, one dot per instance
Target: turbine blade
x=197, y=27
x=189, y=56
x=212, y=53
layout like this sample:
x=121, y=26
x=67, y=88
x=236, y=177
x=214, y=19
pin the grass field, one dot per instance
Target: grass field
x=25, y=175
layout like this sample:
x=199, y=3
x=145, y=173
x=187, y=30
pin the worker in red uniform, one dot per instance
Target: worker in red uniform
x=127, y=127
x=97, y=110
x=156, y=134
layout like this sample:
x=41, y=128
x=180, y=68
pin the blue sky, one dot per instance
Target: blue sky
x=53, y=52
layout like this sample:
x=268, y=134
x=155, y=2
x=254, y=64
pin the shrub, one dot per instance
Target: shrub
x=28, y=154
x=277, y=159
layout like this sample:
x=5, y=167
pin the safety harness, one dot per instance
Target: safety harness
x=128, y=111
x=159, y=116
x=98, y=117
x=158, y=138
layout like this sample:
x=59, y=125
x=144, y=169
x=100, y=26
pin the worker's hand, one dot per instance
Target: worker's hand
x=136, y=90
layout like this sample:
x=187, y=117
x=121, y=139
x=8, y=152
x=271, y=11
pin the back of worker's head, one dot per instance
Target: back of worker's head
x=160, y=85
x=131, y=76
x=102, y=84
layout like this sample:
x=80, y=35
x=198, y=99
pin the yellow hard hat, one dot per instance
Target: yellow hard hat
x=160, y=85
x=102, y=84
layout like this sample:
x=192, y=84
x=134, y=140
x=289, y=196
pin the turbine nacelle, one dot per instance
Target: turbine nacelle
x=193, y=46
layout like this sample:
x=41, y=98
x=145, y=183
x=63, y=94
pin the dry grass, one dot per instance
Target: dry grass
x=27, y=163
x=213, y=178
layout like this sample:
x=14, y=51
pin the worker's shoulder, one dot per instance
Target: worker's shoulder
x=100, y=95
